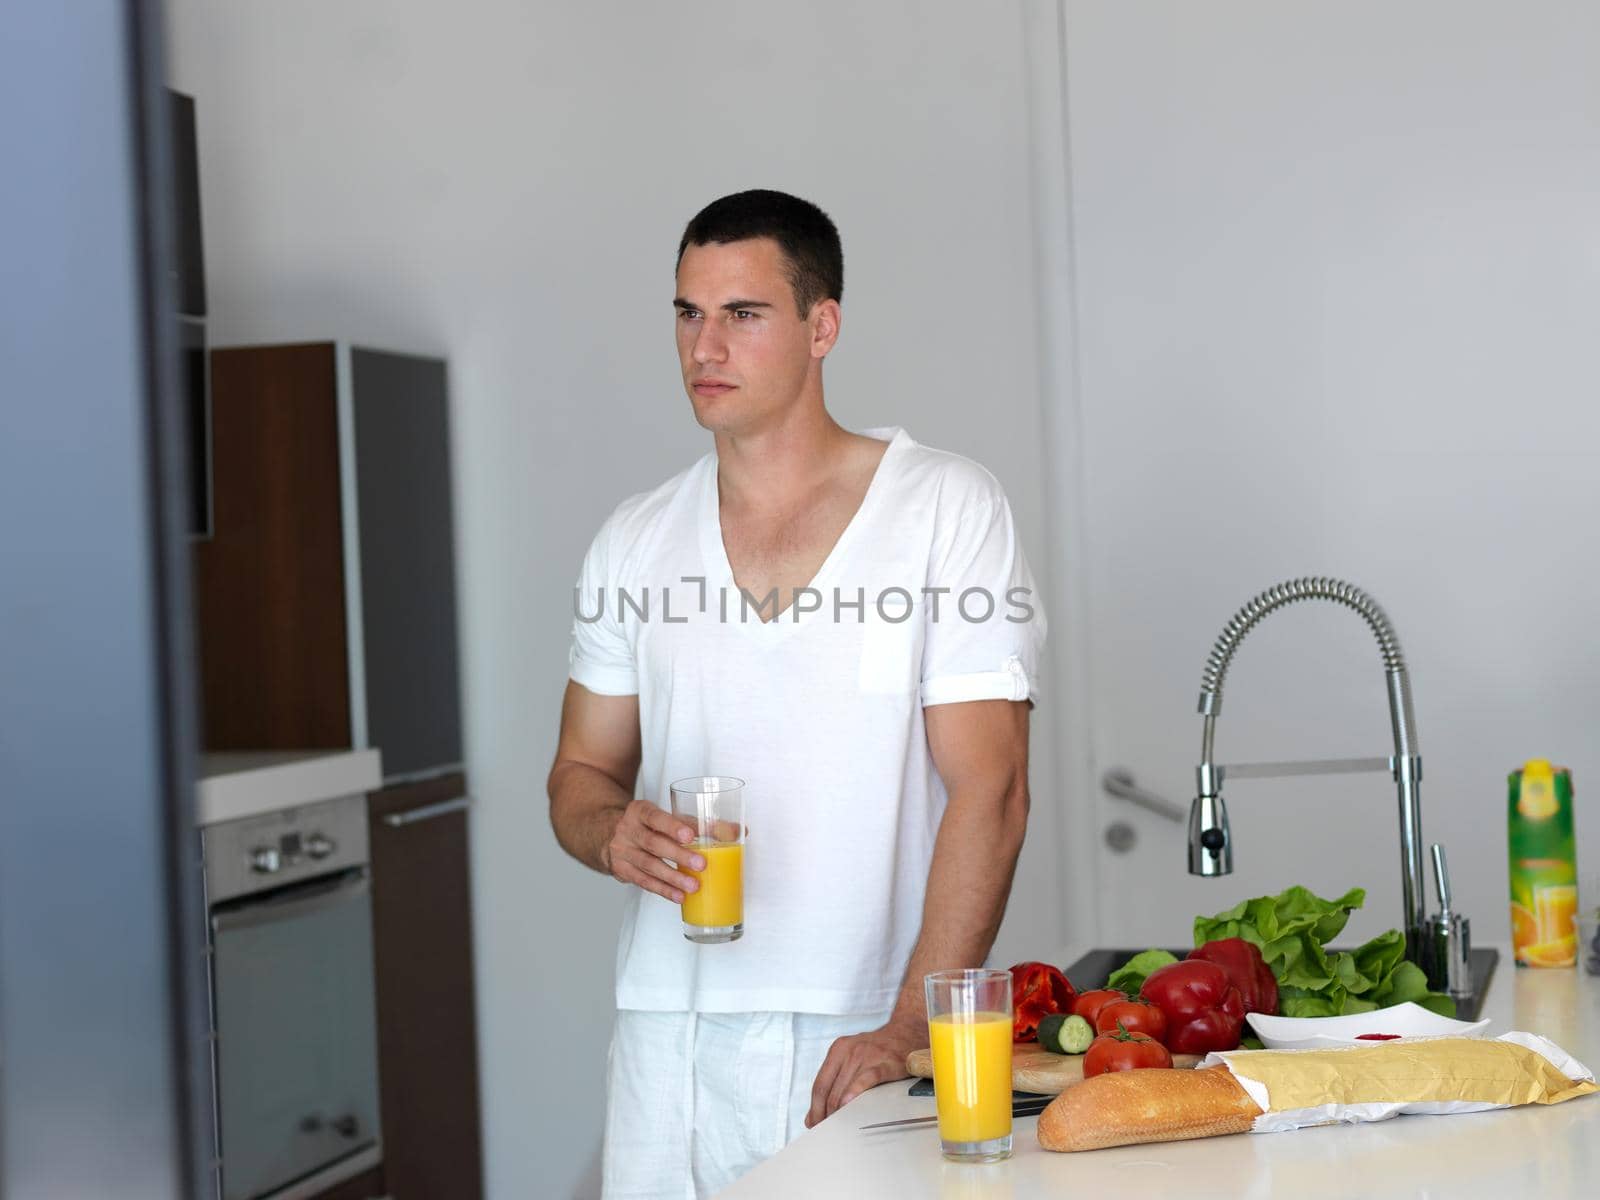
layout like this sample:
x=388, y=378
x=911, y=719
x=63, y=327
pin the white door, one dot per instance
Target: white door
x=1337, y=281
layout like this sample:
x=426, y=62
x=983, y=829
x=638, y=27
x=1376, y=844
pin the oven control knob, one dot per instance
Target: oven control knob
x=319, y=846
x=265, y=860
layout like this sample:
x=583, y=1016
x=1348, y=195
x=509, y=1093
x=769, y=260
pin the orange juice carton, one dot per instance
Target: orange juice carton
x=1544, y=868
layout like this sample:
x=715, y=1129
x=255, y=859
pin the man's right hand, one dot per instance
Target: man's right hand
x=591, y=806
x=645, y=835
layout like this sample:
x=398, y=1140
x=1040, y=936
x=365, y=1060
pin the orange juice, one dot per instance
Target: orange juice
x=972, y=1075
x=720, y=900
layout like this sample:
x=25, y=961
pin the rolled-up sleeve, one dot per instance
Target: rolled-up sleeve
x=985, y=625
x=602, y=657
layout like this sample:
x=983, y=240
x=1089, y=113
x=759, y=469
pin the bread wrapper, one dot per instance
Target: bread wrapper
x=1355, y=1084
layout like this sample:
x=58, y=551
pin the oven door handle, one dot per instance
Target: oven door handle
x=352, y=885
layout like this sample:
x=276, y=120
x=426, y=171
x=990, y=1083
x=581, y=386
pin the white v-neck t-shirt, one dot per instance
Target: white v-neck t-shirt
x=925, y=599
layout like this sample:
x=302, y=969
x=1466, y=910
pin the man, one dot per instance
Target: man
x=845, y=621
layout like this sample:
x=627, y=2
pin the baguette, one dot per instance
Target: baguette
x=1149, y=1105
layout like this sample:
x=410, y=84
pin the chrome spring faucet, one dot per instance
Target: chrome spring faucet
x=1210, y=842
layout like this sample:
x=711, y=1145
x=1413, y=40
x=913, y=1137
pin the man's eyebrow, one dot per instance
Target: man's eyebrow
x=730, y=306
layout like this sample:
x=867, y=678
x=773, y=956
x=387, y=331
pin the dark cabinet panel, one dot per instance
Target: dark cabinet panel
x=194, y=380
x=270, y=582
x=427, y=1026
x=190, y=268
x=402, y=467
x=188, y=293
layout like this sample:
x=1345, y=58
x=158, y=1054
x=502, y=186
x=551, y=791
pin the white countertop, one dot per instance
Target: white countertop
x=247, y=783
x=1549, y=1152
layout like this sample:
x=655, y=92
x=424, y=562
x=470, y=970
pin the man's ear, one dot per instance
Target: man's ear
x=826, y=320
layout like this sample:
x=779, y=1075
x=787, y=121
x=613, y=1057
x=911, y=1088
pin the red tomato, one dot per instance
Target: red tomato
x=1135, y=1016
x=1037, y=990
x=1089, y=1004
x=1123, y=1052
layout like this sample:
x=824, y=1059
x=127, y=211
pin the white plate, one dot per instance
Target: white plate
x=1308, y=1033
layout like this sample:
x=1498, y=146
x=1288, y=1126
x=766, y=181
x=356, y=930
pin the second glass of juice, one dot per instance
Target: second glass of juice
x=714, y=805
x=969, y=1031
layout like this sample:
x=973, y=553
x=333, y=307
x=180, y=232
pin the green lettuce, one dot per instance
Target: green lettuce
x=1292, y=930
x=1131, y=975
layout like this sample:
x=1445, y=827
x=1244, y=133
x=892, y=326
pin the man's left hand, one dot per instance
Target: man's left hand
x=862, y=1061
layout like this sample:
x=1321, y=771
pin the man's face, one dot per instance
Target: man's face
x=745, y=351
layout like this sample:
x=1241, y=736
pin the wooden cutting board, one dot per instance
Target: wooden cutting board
x=1033, y=1069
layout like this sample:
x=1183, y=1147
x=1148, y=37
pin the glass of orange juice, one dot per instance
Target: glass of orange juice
x=969, y=1031
x=714, y=805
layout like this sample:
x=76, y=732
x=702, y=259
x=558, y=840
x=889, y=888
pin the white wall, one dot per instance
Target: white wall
x=1339, y=285
x=505, y=183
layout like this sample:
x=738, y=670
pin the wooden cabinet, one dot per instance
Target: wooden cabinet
x=369, y=1185
x=326, y=594
x=427, y=1027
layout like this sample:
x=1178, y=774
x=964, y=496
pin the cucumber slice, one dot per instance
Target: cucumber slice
x=1075, y=1036
x=1060, y=1033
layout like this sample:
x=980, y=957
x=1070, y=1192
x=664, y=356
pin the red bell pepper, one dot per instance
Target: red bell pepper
x=1037, y=990
x=1204, y=1010
x=1247, y=971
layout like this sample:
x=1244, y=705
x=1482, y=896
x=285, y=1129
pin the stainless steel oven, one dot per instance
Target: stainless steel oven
x=290, y=919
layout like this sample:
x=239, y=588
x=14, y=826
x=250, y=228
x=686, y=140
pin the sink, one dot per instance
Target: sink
x=1095, y=967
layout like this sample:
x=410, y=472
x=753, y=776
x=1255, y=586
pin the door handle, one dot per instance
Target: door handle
x=1119, y=782
x=427, y=812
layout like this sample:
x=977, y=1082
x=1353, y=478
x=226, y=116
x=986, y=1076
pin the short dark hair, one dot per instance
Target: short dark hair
x=804, y=233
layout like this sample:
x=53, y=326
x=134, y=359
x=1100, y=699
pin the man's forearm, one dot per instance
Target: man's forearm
x=969, y=882
x=585, y=806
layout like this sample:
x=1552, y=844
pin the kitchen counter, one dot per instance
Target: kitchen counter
x=1536, y=1150
x=237, y=784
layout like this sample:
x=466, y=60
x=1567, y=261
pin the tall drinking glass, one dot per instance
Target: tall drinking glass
x=714, y=805
x=969, y=1030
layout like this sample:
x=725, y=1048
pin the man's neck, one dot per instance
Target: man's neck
x=775, y=467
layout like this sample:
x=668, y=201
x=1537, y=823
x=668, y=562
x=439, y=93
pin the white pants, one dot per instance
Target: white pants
x=694, y=1100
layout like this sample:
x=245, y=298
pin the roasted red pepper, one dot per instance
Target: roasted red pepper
x=1037, y=990
x=1247, y=971
x=1204, y=1010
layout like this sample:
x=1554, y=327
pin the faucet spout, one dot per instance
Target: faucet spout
x=1210, y=840
x=1210, y=847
